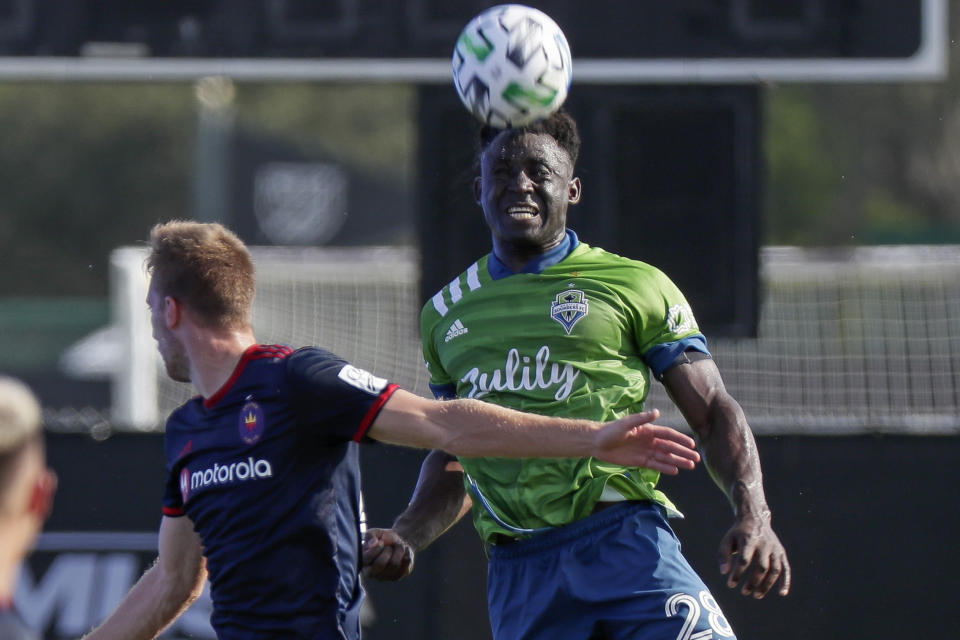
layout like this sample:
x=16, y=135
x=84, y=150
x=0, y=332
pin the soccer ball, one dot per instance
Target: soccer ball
x=512, y=65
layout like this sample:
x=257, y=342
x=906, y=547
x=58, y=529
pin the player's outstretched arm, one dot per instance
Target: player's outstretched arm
x=751, y=554
x=164, y=591
x=470, y=428
x=438, y=502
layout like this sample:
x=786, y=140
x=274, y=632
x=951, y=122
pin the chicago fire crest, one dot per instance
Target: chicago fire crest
x=251, y=423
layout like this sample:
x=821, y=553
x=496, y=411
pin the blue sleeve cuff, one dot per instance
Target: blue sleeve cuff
x=661, y=357
x=444, y=391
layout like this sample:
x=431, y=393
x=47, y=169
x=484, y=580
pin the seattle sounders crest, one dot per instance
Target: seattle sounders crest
x=569, y=307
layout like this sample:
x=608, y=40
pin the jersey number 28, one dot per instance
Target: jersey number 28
x=715, y=617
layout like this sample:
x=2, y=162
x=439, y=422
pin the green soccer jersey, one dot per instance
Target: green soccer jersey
x=568, y=341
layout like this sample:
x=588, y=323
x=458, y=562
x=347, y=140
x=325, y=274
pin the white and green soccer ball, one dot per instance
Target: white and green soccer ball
x=512, y=65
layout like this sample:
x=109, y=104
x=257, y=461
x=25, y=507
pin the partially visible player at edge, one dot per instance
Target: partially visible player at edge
x=551, y=324
x=27, y=487
x=263, y=486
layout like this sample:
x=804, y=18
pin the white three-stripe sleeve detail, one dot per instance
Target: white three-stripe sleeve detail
x=473, y=277
x=455, y=293
x=439, y=304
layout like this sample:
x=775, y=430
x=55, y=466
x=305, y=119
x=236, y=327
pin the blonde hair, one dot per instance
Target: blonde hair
x=207, y=268
x=20, y=415
x=20, y=430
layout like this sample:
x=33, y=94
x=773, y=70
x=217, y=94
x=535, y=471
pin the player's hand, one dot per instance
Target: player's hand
x=386, y=556
x=634, y=441
x=753, y=558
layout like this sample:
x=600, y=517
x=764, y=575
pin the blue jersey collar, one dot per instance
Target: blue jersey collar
x=570, y=241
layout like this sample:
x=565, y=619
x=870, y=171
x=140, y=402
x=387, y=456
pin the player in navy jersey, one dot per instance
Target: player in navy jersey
x=263, y=488
x=26, y=494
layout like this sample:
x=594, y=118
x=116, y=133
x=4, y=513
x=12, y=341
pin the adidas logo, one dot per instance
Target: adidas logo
x=456, y=329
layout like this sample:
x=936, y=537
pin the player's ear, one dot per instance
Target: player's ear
x=41, y=498
x=573, y=190
x=171, y=312
x=477, y=189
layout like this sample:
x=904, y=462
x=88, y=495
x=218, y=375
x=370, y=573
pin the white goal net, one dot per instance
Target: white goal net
x=849, y=341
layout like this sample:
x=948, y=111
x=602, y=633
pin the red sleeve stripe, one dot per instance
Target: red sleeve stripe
x=173, y=512
x=373, y=412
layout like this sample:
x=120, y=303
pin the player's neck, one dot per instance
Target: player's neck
x=9, y=572
x=214, y=357
x=516, y=257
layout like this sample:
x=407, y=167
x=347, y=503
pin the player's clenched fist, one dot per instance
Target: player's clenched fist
x=386, y=556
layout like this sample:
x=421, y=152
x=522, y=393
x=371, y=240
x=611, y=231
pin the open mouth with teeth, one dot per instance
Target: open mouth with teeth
x=522, y=212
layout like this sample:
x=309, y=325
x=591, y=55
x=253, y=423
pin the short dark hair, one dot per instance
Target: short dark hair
x=559, y=125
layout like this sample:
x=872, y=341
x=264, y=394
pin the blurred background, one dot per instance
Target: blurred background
x=794, y=165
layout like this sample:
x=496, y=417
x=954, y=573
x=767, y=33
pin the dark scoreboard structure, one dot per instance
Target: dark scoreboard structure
x=613, y=41
x=602, y=29
x=667, y=93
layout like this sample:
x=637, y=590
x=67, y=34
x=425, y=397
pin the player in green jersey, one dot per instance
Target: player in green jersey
x=547, y=324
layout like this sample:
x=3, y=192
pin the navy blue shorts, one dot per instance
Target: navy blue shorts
x=617, y=574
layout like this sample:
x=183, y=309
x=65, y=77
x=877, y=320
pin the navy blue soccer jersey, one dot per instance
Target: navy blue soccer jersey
x=268, y=471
